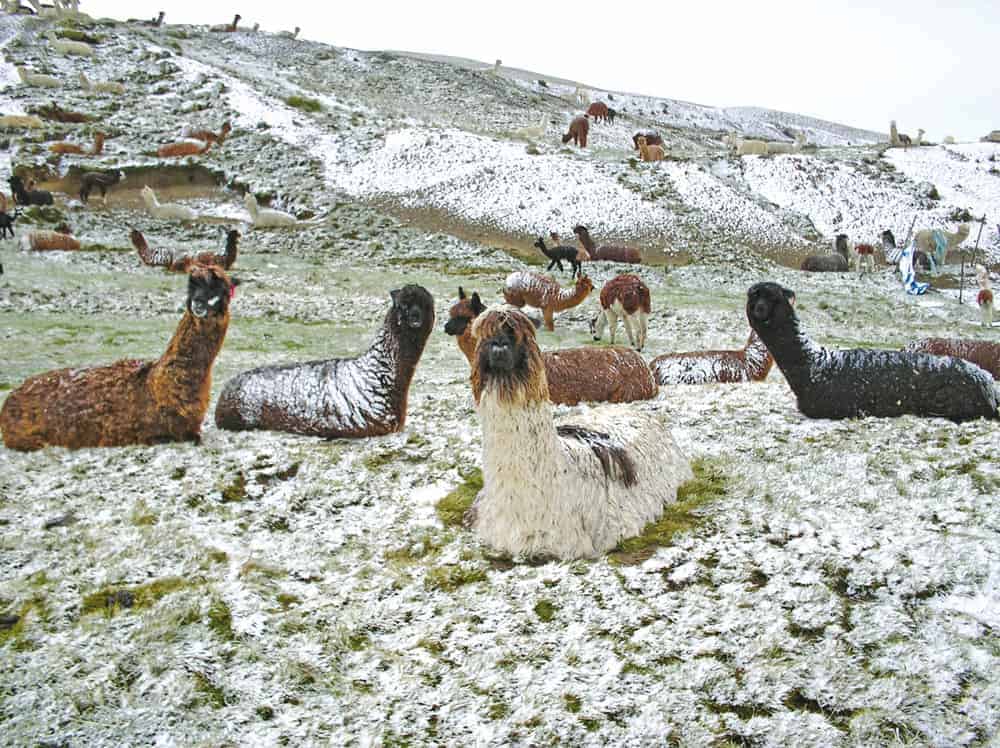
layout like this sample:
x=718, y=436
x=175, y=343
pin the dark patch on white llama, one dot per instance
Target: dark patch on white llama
x=863, y=382
x=615, y=462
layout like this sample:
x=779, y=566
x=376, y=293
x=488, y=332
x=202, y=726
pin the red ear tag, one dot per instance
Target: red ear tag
x=232, y=292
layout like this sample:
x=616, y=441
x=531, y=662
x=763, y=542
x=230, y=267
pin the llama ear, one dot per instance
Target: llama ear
x=461, y=293
x=477, y=304
x=789, y=294
x=394, y=295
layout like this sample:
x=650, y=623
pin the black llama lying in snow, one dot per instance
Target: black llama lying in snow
x=857, y=383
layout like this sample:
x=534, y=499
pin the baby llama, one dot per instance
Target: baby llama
x=859, y=383
x=559, y=253
x=354, y=397
x=524, y=288
x=568, y=490
x=625, y=296
x=267, y=217
x=165, y=211
x=575, y=375
x=182, y=263
x=129, y=402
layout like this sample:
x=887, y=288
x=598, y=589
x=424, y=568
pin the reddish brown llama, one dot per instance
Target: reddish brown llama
x=598, y=110
x=578, y=130
x=606, y=252
x=748, y=364
x=982, y=353
x=625, y=296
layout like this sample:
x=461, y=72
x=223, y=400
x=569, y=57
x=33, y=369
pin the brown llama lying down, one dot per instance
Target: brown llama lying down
x=524, y=288
x=982, y=353
x=73, y=148
x=752, y=363
x=183, y=148
x=606, y=252
x=129, y=402
x=578, y=130
x=208, y=136
x=182, y=264
x=42, y=241
x=352, y=397
x=575, y=375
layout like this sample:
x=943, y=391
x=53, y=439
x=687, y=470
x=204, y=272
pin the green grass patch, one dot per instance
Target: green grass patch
x=453, y=506
x=572, y=702
x=12, y=630
x=114, y=599
x=213, y=694
x=545, y=610
x=450, y=578
x=304, y=103
x=220, y=620
x=235, y=491
x=708, y=484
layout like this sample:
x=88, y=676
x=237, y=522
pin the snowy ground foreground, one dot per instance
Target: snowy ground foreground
x=845, y=591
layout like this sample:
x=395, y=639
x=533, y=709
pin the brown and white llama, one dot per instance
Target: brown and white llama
x=650, y=152
x=579, y=127
x=751, y=363
x=606, y=252
x=129, y=402
x=190, y=147
x=182, y=263
x=568, y=489
x=354, y=398
x=575, y=375
x=524, y=288
x=44, y=241
x=65, y=147
x=982, y=353
x=864, y=258
x=985, y=296
x=627, y=297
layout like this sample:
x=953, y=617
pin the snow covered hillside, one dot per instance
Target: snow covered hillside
x=830, y=583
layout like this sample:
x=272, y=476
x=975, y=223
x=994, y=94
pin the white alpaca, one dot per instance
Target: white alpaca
x=985, y=297
x=746, y=147
x=101, y=86
x=532, y=133
x=37, y=79
x=780, y=147
x=267, y=217
x=580, y=97
x=920, y=138
x=572, y=491
x=21, y=120
x=68, y=47
x=290, y=34
x=166, y=211
x=949, y=140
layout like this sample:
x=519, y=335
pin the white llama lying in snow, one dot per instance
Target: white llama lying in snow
x=570, y=491
x=69, y=47
x=38, y=79
x=267, y=217
x=532, y=133
x=167, y=211
x=101, y=86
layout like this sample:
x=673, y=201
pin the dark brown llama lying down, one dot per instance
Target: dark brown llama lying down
x=982, y=353
x=129, y=402
x=352, y=397
x=574, y=375
x=858, y=383
x=182, y=263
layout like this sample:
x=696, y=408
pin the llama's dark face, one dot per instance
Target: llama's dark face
x=413, y=312
x=462, y=313
x=502, y=355
x=508, y=361
x=209, y=291
x=769, y=305
x=540, y=243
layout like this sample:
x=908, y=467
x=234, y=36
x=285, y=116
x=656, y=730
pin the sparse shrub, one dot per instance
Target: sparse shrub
x=304, y=103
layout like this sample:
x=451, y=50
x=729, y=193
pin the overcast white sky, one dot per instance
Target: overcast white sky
x=862, y=64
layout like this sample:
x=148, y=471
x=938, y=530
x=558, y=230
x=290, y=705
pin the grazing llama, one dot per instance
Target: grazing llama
x=625, y=296
x=568, y=490
x=578, y=130
x=650, y=152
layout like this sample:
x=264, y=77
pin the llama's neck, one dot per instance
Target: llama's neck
x=758, y=358
x=252, y=208
x=230, y=256
x=586, y=241
x=390, y=352
x=184, y=371
x=467, y=344
x=793, y=352
x=570, y=297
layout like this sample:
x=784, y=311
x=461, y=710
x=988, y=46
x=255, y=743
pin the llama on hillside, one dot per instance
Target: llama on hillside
x=579, y=127
x=65, y=147
x=650, y=152
x=625, y=296
x=166, y=211
x=44, y=241
x=985, y=296
x=568, y=490
x=129, y=402
x=100, y=86
x=859, y=383
x=575, y=375
x=38, y=79
x=355, y=397
x=23, y=196
x=524, y=288
x=606, y=252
